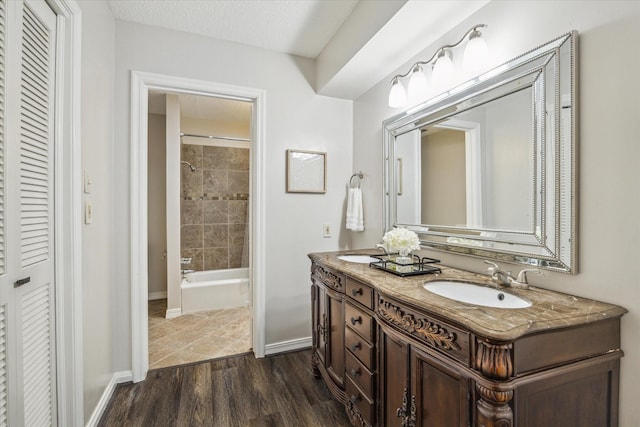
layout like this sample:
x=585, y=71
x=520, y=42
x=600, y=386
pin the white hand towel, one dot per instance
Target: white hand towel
x=355, y=216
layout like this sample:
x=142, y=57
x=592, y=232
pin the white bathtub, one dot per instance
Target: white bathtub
x=215, y=289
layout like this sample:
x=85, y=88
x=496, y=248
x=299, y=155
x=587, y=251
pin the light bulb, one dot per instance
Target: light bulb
x=418, y=86
x=476, y=54
x=397, y=95
x=443, y=71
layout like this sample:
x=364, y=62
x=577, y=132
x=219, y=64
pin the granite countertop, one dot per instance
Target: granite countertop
x=549, y=309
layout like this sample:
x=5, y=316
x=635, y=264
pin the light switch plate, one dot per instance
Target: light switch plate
x=88, y=213
x=87, y=183
x=326, y=230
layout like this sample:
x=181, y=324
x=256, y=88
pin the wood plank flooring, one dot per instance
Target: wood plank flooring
x=236, y=391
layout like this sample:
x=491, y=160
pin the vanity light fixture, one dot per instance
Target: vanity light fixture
x=397, y=96
x=474, y=60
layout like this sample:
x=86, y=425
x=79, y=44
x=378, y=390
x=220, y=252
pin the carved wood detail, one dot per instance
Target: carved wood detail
x=493, y=415
x=494, y=360
x=355, y=417
x=495, y=396
x=327, y=277
x=322, y=328
x=315, y=362
x=433, y=333
x=407, y=414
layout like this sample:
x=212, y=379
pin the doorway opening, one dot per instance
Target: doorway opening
x=144, y=85
x=210, y=221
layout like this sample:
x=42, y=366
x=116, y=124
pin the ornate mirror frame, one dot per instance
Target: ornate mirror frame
x=550, y=73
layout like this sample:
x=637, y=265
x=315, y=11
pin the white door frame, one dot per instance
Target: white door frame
x=141, y=83
x=68, y=215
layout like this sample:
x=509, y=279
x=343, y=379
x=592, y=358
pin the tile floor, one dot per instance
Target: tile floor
x=198, y=336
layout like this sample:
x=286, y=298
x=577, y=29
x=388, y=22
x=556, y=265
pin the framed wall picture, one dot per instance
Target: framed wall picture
x=306, y=171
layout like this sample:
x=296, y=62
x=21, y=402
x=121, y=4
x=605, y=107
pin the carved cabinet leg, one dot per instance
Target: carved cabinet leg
x=315, y=361
x=493, y=408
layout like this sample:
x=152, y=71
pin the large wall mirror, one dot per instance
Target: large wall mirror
x=488, y=169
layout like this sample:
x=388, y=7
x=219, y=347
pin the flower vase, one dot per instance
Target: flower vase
x=403, y=256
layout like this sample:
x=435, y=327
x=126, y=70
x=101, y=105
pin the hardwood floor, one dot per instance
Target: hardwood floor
x=237, y=391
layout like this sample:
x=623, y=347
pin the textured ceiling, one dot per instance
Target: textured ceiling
x=299, y=27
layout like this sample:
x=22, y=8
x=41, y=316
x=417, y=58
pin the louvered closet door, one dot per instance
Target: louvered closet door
x=27, y=337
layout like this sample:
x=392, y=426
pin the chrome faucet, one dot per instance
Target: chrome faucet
x=383, y=247
x=185, y=261
x=505, y=278
x=498, y=275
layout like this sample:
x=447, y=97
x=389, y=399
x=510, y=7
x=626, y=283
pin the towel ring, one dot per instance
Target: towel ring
x=358, y=175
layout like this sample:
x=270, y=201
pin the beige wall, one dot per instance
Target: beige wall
x=295, y=117
x=157, y=222
x=608, y=152
x=97, y=132
x=444, y=186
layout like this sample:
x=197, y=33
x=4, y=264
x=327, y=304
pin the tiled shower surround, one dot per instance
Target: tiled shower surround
x=214, y=207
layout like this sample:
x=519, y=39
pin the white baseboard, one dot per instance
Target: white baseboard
x=117, y=378
x=284, y=346
x=173, y=312
x=157, y=295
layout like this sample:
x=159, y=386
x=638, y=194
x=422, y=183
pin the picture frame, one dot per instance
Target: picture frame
x=306, y=171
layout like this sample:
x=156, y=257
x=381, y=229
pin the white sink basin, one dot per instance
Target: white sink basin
x=360, y=259
x=476, y=294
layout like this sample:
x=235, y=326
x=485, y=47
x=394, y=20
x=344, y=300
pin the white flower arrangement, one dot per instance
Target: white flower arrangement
x=401, y=240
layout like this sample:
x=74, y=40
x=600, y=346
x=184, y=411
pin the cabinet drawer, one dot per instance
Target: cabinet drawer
x=359, y=347
x=360, y=321
x=360, y=292
x=362, y=403
x=359, y=374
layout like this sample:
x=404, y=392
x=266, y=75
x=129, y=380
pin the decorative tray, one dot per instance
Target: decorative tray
x=418, y=266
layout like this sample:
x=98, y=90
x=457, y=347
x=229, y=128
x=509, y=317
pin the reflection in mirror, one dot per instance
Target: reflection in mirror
x=488, y=170
x=486, y=151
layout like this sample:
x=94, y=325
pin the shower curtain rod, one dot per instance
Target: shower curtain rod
x=228, y=138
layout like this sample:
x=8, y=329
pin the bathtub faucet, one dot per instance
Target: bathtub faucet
x=185, y=261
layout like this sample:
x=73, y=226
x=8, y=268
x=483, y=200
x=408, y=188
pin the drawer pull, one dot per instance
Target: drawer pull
x=22, y=282
x=356, y=292
x=355, y=373
x=356, y=346
x=354, y=399
x=354, y=320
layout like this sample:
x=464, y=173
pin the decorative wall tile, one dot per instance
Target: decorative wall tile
x=216, y=236
x=192, y=154
x=191, y=236
x=196, y=259
x=236, y=234
x=238, y=182
x=215, y=158
x=214, y=206
x=216, y=258
x=191, y=212
x=238, y=159
x=235, y=257
x=238, y=211
x=214, y=182
x=191, y=184
x=215, y=211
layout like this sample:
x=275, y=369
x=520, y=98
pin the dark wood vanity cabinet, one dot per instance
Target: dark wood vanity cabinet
x=328, y=357
x=360, y=336
x=433, y=373
x=399, y=364
x=416, y=389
